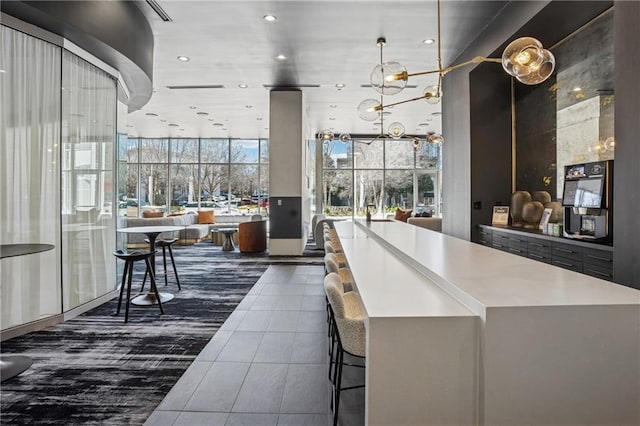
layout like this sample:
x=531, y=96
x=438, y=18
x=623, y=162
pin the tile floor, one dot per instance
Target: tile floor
x=268, y=364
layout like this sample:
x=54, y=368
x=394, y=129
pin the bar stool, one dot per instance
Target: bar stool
x=165, y=244
x=330, y=248
x=127, y=275
x=332, y=264
x=349, y=330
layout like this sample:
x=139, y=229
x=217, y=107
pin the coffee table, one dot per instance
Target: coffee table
x=228, y=241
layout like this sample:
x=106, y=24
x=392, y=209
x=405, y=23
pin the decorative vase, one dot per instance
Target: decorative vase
x=518, y=200
x=532, y=213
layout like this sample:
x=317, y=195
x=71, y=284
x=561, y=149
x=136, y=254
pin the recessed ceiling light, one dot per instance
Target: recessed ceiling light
x=163, y=121
x=332, y=118
x=266, y=128
x=182, y=130
x=224, y=128
x=436, y=113
x=184, y=58
x=192, y=107
x=270, y=18
x=129, y=125
x=281, y=57
x=211, y=119
x=248, y=106
x=218, y=124
x=151, y=114
x=340, y=85
x=259, y=118
x=333, y=106
x=242, y=86
x=202, y=113
x=429, y=41
x=577, y=89
x=174, y=125
x=423, y=124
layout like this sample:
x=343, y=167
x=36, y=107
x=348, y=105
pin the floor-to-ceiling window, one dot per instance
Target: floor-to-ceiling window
x=229, y=175
x=380, y=175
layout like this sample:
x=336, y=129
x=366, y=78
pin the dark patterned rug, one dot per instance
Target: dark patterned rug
x=94, y=369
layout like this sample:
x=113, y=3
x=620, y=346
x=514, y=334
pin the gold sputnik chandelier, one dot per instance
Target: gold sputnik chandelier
x=524, y=58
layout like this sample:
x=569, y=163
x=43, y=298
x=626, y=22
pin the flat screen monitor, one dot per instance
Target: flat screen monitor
x=569, y=193
x=589, y=193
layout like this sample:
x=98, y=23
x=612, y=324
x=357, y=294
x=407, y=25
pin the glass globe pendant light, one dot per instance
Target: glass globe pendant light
x=435, y=138
x=432, y=94
x=389, y=78
x=396, y=130
x=369, y=109
x=344, y=137
x=526, y=60
x=325, y=135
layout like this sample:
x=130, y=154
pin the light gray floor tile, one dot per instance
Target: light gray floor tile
x=309, y=348
x=190, y=418
x=256, y=289
x=254, y=321
x=234, y=320
x=265, y=303
x=314, y=290
x=314, y=303
x=282, y=290
x=289, y=303
x=303, y=420
x=247, y=302
x=284, y=321
x=215, y=345
x=275, y=348
x=306, y=389
x=241, y=347
x=162, y=418
x=243, y=419
x=185, y=386
x=262, y=389
x=312, y=322
x=218, y=390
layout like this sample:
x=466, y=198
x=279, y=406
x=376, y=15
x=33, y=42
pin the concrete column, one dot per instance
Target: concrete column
x=288, y=194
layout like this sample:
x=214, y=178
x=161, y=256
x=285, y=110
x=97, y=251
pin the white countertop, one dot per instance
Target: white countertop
x=482, y=277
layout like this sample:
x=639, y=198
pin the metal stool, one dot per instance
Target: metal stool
x=165, y=244
x=127, y=275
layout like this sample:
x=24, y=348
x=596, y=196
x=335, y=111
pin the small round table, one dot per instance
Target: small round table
x=12, y=365
x=228, y=242
x=152, y=233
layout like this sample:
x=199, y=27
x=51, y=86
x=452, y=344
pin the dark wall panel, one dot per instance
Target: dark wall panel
x=490, y=97
x=626, y=237
x=285, y=217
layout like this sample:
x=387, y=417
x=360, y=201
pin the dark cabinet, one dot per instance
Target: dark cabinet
x=581, y=257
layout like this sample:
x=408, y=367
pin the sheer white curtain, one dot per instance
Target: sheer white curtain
x=88, y=217
x=29, y=176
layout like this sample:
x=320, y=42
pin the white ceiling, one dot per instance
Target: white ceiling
x=325, y=42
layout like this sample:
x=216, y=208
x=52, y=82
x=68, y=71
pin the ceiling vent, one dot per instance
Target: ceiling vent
x=159, y=10
x=291, y=86
x=408, y=86
x=202, y=86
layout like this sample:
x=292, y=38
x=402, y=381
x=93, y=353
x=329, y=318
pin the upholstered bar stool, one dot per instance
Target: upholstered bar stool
x=332, y=264
x=348, y=321
x=166, y=245
x=330, y=248
x=127, y=275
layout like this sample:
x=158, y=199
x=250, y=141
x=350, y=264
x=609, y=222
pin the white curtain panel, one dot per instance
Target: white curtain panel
x=29, y=176
x=89, y=101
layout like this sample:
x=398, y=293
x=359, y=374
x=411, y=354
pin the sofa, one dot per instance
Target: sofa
x=432, y=223
x=192, y=232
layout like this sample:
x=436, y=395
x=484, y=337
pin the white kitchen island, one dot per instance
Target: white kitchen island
x=458, y=333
